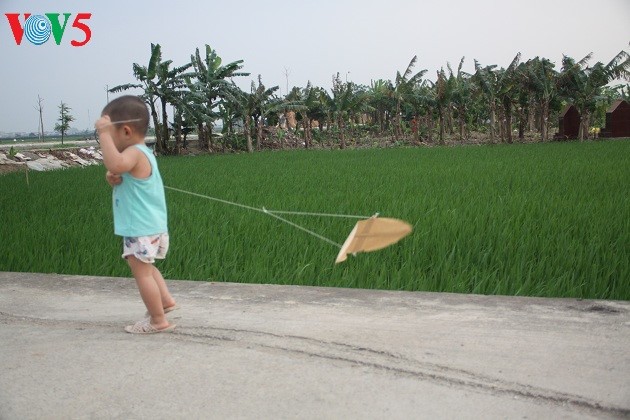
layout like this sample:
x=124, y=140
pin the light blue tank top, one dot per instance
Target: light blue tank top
x=139, y=204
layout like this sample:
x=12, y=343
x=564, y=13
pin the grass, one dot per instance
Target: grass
x=538, y=219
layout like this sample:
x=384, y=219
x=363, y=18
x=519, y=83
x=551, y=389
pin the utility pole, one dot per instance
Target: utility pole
x=286, y=74
x=107, y=91
x=40, y=127
x=62, y=130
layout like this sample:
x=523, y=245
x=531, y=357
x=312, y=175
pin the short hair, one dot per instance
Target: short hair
x=126, y=108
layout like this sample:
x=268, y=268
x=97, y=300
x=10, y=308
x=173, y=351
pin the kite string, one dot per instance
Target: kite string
x=121, y=122
x=272, y=213
x=304, y=213
x=215, y=199
x=263, y=210
x=323, y=238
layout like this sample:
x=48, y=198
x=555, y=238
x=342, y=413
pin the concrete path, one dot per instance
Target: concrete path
x=19, y=145
x=269, y=352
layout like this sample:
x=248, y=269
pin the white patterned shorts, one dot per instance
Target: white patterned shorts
x=146, y=248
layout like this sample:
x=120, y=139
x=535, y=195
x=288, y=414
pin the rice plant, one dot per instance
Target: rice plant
x=538, y=220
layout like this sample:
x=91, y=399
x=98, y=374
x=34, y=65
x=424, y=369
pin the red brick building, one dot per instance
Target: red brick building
x=569, y=123
x=617, y=120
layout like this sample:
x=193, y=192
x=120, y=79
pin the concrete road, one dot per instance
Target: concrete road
x=273, y=352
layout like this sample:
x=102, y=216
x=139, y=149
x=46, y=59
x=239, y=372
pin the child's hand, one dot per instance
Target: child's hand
x=113, y=179
x=103, y=124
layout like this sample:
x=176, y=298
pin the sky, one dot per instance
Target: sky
x=287, y=41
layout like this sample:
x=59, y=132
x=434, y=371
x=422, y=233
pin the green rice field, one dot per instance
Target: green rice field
x=547, y=219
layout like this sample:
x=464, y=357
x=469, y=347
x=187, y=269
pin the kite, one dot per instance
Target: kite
x=373, y=234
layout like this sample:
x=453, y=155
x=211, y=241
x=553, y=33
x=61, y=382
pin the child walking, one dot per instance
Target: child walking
x=139, y=205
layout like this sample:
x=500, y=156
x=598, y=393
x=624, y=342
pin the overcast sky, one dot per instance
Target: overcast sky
x=363, y=40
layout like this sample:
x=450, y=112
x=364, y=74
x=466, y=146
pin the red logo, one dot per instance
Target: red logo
x=38, y=28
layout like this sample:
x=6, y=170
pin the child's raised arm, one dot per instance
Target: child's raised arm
x=114, y=160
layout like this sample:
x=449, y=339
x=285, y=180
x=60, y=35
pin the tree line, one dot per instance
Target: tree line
x=498, y=102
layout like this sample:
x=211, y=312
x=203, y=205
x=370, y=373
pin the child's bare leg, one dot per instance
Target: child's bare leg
x=149, y=291
x=167, y=299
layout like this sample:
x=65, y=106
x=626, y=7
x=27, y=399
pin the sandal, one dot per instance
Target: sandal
x=145, y=327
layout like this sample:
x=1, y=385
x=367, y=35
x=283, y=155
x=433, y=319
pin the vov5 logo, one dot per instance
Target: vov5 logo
x=38, y=28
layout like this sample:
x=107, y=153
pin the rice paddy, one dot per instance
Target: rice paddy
x=536, y=219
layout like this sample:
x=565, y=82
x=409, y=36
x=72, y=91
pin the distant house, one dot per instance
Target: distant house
x=569, y=123
x=617, y=120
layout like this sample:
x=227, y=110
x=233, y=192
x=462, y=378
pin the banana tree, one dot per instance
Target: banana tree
x=623, y=91
x=311, y=107
x=294, y=102
x=403, y=88
x=508, y=83
x=344, y=101
x=422, y=102
x=461, y=96
x=228, y=112
x=316, y=109
x=523, y=99
x=443, y=89
x=381, y=99
x=148, y=83
x=169, y=83
x=246, y=107
x=541, y=82
x=209, y=83
x=159, y=81
x=583, y=85
x=486, y=80
x=182, y=126
x=264, y=101
x=294, y=95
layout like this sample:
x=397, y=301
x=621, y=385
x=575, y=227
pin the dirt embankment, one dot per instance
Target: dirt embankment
x=38, y=160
